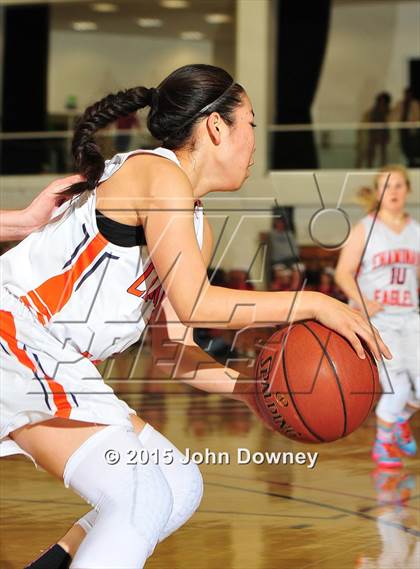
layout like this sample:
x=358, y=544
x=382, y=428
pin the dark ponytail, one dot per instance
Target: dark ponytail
x=87, y=155
x=181, y=100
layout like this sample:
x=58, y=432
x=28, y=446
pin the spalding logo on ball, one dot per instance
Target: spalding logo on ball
x=311, y=385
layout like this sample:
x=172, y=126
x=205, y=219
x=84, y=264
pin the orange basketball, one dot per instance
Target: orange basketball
x=312, y=386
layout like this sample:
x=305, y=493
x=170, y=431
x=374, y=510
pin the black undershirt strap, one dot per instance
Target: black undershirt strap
x=120, y=233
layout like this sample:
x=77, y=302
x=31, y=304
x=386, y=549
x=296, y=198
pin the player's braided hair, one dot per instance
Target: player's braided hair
x=181, y=100
x=86, y=152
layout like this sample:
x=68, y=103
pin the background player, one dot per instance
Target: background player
x=387, y=244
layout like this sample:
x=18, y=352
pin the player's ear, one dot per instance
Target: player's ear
x=214, y=127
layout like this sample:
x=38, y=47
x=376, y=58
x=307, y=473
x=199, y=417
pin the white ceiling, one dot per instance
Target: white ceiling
x=63, y=13
x=123, y=21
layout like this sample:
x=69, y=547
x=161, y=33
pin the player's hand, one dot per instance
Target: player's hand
x=39, y=212
x=350, y=324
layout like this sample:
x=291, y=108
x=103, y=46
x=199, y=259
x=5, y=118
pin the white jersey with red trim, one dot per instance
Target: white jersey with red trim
x=86, y=291
x=389, y=269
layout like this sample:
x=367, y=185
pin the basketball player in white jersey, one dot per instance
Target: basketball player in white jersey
x=387, y=244
x=85, y=286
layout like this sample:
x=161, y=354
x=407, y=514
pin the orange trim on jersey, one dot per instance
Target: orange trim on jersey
x=89, y=356
x=40, y=306
x=132, y=289
x=54, y=293
x=8, y=333
x=60, y=398
x=41, y=319
x=29, y=305
x=26, y=302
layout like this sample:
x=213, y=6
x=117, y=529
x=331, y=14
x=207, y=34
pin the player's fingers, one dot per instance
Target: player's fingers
x=383, y=348
x=377, y=336
x=370, y=340
x=63, y=183
x=375, y=331
x=351, y=336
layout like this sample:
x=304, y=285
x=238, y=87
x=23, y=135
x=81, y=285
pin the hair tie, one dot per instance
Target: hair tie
x=153, y=96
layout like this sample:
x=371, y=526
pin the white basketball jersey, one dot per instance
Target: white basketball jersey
x=86, y=291
x=389, y=270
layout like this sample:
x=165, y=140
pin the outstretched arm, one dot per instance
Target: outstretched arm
x=17, y=224
x=169, y=229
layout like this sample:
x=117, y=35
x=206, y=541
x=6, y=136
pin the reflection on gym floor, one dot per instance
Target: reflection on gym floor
x=339, y=514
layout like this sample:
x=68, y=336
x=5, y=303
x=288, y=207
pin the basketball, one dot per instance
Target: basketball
x=311, y=385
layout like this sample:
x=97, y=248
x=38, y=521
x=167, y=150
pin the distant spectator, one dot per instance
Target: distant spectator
x=379, y=138
x=408, y=110
x=282, y=243
x=372, y=140
x=327, y=284
x=282, y=278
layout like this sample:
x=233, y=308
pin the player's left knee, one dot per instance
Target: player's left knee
x=193, y=484
x=197, y=485
x=187, y=499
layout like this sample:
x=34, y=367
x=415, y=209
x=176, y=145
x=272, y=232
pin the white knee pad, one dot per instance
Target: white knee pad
x=187, y=498
x=184, y=480
x=133, y=501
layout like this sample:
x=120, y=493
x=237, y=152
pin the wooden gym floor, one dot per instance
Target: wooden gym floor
x=338, y=515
